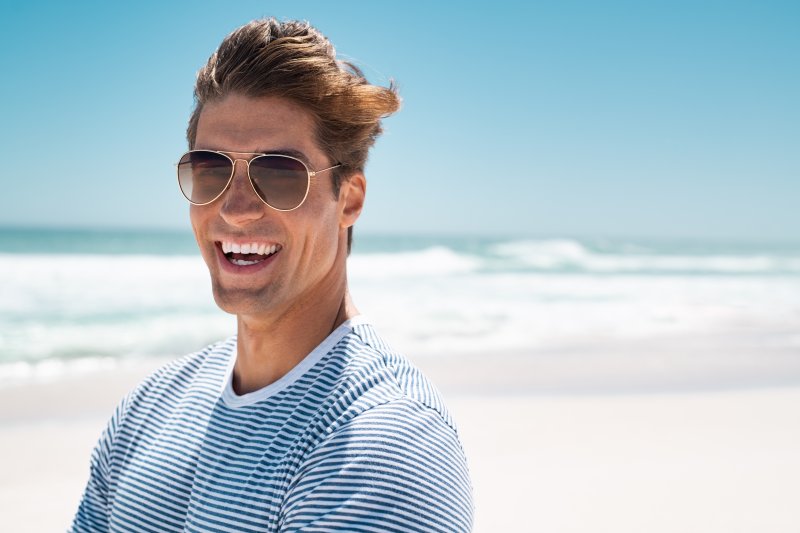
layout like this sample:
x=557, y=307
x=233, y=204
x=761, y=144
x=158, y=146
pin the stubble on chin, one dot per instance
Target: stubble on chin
x=238, y=301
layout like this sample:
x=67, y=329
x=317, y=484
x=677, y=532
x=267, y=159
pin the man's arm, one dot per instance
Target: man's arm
x=396, y=467
x=92, y=514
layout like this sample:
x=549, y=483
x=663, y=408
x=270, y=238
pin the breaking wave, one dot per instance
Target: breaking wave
x=430, y=297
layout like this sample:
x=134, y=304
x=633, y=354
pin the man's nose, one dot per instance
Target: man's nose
x=240, y=203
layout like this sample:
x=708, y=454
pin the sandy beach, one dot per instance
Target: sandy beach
x=542, y=459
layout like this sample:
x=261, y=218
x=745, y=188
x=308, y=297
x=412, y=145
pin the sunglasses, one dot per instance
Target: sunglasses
x=281, y=181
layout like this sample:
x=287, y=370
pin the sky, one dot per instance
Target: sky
x=617, y=119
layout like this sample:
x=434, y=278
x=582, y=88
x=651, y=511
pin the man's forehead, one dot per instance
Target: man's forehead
x=255, y=125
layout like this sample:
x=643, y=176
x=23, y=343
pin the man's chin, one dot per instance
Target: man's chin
x=240, y=301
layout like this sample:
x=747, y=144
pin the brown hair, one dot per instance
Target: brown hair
x=292, y=59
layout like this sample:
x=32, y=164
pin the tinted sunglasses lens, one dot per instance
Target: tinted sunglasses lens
x=281, y=182
x=202, y=175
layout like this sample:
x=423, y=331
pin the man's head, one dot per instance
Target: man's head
x=293, y=60
x=277, y=88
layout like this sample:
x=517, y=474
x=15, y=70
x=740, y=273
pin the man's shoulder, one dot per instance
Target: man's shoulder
x=402, y=454
x=381, y=377
x=197, y=371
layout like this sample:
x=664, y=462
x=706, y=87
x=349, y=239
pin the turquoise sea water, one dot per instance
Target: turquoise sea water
x=71, y=295
x=494, y=253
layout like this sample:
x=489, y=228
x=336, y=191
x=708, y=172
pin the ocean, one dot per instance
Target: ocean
x=80, y=299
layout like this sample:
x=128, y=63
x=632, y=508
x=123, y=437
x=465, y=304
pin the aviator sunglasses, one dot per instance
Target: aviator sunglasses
x=281, y=181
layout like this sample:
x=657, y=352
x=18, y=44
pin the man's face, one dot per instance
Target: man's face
x=310, y=241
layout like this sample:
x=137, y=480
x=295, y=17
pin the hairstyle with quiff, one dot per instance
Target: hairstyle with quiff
x=293, y=60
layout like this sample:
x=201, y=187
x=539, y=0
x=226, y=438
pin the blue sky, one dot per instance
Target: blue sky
x=648, y=119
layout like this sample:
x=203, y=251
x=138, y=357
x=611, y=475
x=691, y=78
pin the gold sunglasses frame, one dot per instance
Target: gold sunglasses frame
x=309, y=172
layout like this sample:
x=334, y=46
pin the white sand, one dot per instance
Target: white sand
x=694, y=462
x=672, y=462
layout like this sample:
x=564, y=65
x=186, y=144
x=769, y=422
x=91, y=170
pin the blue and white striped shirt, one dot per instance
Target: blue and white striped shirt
x=353, y=438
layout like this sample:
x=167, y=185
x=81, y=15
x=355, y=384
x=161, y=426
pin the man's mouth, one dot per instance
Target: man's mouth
x=249, y=253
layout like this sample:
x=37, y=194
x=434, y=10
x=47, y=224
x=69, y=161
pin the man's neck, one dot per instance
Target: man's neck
x=268, y=349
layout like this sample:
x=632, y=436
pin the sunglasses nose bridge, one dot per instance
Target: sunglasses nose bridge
x=233, y=169
x=246, y=164
x=247, y=172
x=241, y=204
x=233, y=182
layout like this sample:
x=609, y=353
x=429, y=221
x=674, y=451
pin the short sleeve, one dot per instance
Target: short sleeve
x=398, y=466
x=92, y=514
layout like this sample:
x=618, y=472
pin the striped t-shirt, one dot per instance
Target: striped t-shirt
x=353, y=438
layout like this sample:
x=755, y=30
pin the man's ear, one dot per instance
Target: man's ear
x=352, y=192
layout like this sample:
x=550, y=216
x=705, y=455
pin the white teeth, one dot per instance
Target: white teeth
x=242, y=262
x=249, y=248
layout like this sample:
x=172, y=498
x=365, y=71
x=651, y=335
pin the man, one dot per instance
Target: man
x=306, y=420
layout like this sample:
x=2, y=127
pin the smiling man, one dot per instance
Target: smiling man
x=306, y=419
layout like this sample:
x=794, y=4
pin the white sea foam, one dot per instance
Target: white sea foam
x=562, y=254
x=72, y=306
x=433, y=261
x=519, y=295
x=522, y=311
x=53, y=369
